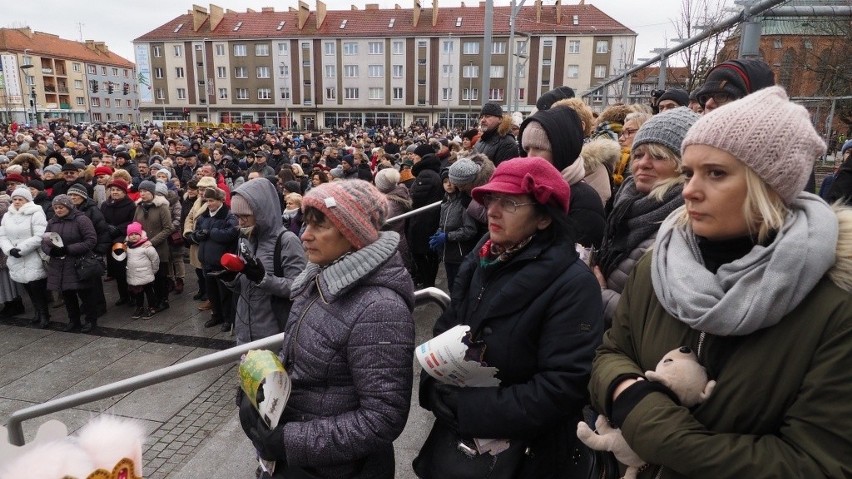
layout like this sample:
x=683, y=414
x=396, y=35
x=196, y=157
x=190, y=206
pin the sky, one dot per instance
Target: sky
x=118, y=23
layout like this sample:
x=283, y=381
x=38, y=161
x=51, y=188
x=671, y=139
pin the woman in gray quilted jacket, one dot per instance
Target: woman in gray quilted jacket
x=348, y=344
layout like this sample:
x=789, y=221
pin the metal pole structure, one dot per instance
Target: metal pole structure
x=750, y=32
x=206, y=78
x=469, y=94
x=661, y=78
x=625, y=90
x=510, y=85
x=486, y=49
x=449, y=83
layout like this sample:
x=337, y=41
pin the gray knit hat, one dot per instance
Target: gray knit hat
x=667, y=128
x=387, y=179
x=79, y=190
x=4, y=159
x=63, y=200
x=161, y=189
x=55, y=169
x=463, y=171
x=148, y=186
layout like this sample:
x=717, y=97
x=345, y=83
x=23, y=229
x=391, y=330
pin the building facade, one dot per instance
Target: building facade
x=646, y=80
x=318, y=69
x=47, y=78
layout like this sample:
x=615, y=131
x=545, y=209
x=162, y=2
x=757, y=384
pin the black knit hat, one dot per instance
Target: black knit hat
x=491, y=109
x=548, y=99
x=424, y=149
x=564, y=132
x=738, y=78
x=677, y=95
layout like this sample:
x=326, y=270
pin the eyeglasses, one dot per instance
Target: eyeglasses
x=505, y=204
x=719, y=98
x=628, y=132
x=69, y=172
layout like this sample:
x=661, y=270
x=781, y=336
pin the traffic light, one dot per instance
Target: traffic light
x=109, y=88
x=94, y=86
x=125, y=88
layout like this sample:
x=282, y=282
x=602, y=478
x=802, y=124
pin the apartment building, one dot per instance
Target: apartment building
x=46, y=78
x=319, y=68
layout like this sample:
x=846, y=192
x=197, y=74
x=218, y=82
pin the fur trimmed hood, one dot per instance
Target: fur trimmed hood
x=841, y=272
x=158, y=201
x=505, y=126
x=600, y=152
x=27, y=161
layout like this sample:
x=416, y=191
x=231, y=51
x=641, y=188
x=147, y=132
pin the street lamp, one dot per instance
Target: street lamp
x=32, y=93
x=469, y=94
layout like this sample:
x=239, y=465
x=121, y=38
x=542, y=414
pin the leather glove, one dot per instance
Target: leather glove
x=58, y=252
x=15, y=252
x=269, y=443
x=254, y=270
x=437, y=241
x=445, y=403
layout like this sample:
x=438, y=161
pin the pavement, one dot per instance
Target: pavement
x=191, y=422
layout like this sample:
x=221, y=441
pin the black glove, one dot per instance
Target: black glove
x=58, y=252
x=201, y=235
x=445, y=403
x=269, y=443
x=254, y=270
x=15, y=252
x=113, y=230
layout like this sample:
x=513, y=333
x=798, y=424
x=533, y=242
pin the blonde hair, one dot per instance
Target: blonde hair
x=662, y=152
x=582, y=110
x=294, y=197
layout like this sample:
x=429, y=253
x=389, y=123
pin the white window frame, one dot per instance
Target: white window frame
x=76, y=67
x=470, y=71
x=180, y=72
x=284, y=93
x=108, y=103
x=262, y=71
x=470, y=48
x=330, y=71
x=241, y=94
x=283, y=48
x=376, y=93
x=223, y=94
x=81, y=101
x=264, y=93
x=398, y=71
x=497, y=71
x=96, y=102
x=447, y=47
x=498, y=48
x=115, y=72
x=572, y=71
x=351, y=93
x=350, y=48
x=376, y=48
x=376, y=71
x=78, y=84
x=602, y=46
x=447, y=70
x=158, y=72
x=284, y=71
x=240, y=72
x=221, y=72
x=471, y=94
x=574, y=47
x=92, y=69
x=261, y=50
x=160, y=93
x=240, y=50
x=398, y=93
x=156, y=51
x=496, y=94
x=329, y=48
x=331, y=93
x=600, y=71
x=446, y=94
x=398, y=47
x=178, y=50
x=180, y=93
x=350, y=71
x=220, y=49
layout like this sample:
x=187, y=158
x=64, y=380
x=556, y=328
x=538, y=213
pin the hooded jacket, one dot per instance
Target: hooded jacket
x=426, y=189
x=255, y=318
x=23, y=229
x=498, y=144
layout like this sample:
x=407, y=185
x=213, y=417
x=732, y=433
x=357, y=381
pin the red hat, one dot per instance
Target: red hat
x=103, y=170
x=16, y=178
x=528, y=176
x=118, y=183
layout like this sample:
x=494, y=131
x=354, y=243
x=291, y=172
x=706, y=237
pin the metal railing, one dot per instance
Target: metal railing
x=15, y=423
x=413, y=212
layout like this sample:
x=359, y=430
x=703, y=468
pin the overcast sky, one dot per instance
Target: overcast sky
x=118, y=23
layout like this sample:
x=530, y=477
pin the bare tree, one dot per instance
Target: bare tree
x=695, y=15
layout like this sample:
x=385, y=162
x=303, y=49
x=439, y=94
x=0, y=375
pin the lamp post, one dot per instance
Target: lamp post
x=24, y=68
x=206, y=78
x=469, y=94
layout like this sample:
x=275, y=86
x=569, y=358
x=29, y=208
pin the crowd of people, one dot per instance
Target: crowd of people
x=579, y=249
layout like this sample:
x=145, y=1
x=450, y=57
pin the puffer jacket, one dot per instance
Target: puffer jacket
x=23, y=229
x=89, y=207
x=255, y=318
x=618, y=278
x=222, y=237
x=348, y=350
x=142, y=264
x=156, y=220
x=426, y=189
x=79, y=236
x=118, y=214
x=460, y=227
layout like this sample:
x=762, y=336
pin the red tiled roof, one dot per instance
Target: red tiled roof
x=45, y=44
x=374, y=23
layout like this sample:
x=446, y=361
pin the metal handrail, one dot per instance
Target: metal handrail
x=15, y=423
x=413, y=212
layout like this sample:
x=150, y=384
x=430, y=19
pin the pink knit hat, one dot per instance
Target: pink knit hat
x=533, y=176
x=356, y=208
x=135, y=228
x=770, y=134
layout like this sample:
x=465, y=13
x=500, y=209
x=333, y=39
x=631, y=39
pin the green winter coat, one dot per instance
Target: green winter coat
x=782, y=407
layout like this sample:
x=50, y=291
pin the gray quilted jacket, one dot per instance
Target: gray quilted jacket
x=618, y=279
x=348, y=350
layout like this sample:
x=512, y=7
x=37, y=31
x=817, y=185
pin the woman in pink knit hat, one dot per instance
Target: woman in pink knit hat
x=752, y=275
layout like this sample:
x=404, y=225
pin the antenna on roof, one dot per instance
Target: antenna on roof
x=80, y=30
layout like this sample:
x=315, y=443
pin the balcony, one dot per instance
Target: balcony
x=47, y=71
x=65, y=106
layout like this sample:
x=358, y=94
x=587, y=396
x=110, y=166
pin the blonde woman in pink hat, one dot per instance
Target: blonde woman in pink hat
x=752, y=275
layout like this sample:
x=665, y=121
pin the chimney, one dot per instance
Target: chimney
x=415, y=13
x=396, y=6
x=321, y=11
x=371, y=6
x=250, y=10
x=538, y=11
x=434, y=12
x=102, y=47
x=199, y=15
x=26, y=31
x=353, y=8
x=267, y=9
x=90, y=44
x=559, y=12
x=216, y=16
x=291, y=9
x=304, y=13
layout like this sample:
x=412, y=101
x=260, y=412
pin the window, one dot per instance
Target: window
x=421, y=43
x=376, y=48
x=76, y=67
x=93, y=70
x=470, y=71
x=447, y=70
x=574, y=46
x=103, y=71
x=397, y=71
x=283, y=71
x=547, y=44
x=179, y=73
x=495, y=94
x=520, y=93
x=264, y=93
x=178, y=50
x=160, y=93
x=306, y=46
x=181, y=93
x=240, y=72
x=284, y=93
x=158, y=51
x=470, y=48
x=497, y=71
x=350, y=48
x=446, y=94
x=521, y=47
x=115, y=72
x=808, y=44
x=498, y=48
x=376, y=71
x=262, y=72
x=397, y=93
x=329, y=48
x=470, y=94
x=220, y=51
x=81, y=101
x=448, y=47
x=777, y=43
x=107, y=103
x=350, y=93
x=96, y=117
x=602, y=46
x=158, y=72
x=330, y=71
x=261, y=50
x=239, y=50
x=78, y=84
x=129, y=104
x=223, y=93
x=282, y=48
x=646, y=87
x=573, y=71
x=350, y=71
x=96, y=102
x=119, y=116
x=126, y=73
x=398, y=47
x=30, y=80
x=600, y=71
x=545, y=62
x=241, y=93
x=331, y=94
x=376, y=93
x=221, y=72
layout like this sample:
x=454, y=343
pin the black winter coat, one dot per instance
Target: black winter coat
x=586, y=215
x=79, y=237
x=118, y=214
x=426, y=189
x=497, y=147
x=841, y=189
x=540, y=316
x=223, y=231
x=91, y=210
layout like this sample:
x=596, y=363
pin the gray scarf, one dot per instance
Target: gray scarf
x=755, y=291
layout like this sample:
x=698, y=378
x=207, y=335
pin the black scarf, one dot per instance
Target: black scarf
x=635, y=217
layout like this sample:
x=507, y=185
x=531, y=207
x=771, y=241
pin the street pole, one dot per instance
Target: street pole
x=486, y=50
x=510, y=86
x=206, y=78
x=469, y=95
x=449, y=84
